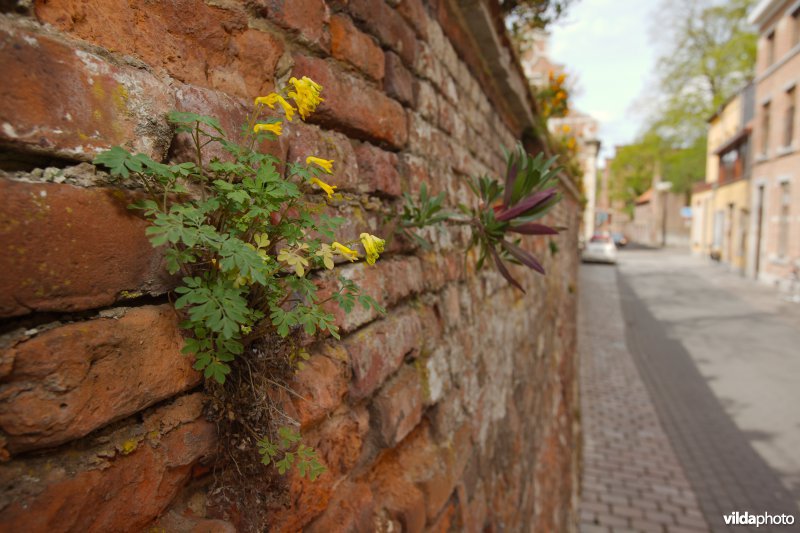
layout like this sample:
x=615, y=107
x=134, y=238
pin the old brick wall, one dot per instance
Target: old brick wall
x=455, y=411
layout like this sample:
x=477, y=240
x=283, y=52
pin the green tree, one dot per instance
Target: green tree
x=708, y=53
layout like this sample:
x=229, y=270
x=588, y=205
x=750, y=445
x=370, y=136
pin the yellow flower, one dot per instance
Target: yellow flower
x=346, y=252
x=324, y=164
x=565, y=128
x=275, y=128
x=305, y=94
x=561, y=78
x=373, y=246
x=324, y=186
x=274, y=98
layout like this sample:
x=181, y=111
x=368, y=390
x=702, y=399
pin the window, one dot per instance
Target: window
x=783, y=221
x=727, y=166
x=765, y=128
x=796, y=26
x=788, y=131
x=770, y=48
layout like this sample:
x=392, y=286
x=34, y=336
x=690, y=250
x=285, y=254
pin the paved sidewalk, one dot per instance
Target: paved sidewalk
x=719, y=355
x=632, y=478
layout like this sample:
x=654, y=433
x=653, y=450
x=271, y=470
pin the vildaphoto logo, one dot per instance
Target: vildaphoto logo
x=764, y=519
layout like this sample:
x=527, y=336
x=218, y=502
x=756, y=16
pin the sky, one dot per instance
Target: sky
x=607, y=44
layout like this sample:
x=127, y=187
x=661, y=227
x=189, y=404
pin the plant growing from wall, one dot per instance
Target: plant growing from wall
x=513, y=207
x=246, y=237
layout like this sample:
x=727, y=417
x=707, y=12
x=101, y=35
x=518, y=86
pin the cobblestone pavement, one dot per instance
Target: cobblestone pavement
x=719, y=356
x=632, y=478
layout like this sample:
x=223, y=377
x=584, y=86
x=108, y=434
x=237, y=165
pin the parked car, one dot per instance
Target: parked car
x=600, y=249
x=620, y=239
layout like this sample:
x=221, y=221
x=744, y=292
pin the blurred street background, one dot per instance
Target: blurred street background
x=689, y=381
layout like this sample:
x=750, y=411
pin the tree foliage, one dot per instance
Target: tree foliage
x=523, y=15
x=708, y=54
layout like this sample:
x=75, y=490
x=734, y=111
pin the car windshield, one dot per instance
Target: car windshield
x=601, y=238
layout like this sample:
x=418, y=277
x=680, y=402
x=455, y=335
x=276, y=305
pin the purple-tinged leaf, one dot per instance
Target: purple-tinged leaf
x=503, y=270
x=526, y=204
x=510, y=179
x=522, y=256
x=532, y=228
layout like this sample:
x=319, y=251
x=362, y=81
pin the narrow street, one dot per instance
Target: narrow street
x=689, y=393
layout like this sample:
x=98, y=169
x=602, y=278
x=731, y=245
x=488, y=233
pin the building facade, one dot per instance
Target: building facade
x=775, y=184
x=721, y=204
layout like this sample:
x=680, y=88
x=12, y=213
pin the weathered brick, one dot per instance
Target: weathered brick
x=320, y=386
x=73, y=379
x=414, y=170
x=386, y=24
x=213, y=47
x=355, y=47
x=378, y=167
x=81, y=490
x=231, y=112
x=402, y=504
x=309, y=140
x=388, y=281
x=309, y=18
x=397, y=407
x=73, y=103
x=352, y=106
x=446, y=117
x=350, y=510
x=96, y=249
x=414, y=13
x=427, y=101
x=378, y=350
x=399, y=83
x=338, y=442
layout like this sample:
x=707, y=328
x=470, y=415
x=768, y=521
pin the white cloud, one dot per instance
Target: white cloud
x=606, y=43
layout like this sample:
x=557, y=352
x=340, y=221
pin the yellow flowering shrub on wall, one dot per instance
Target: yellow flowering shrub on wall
x=245, y=239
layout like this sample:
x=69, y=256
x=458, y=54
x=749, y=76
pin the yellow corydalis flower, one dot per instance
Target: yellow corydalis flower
x=373, y=247
x=305, y=93
x=274, y=98
x=324, y=164
x=275, y=128
x=344, y=251
x=324, y=186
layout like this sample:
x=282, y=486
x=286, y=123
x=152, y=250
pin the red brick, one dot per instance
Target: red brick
x=397, y=407
x=231, y=112
x=378, y=350
x=378, y=167
x=86, y=491
x=66, y=248
x=338, y=442
x=309, y=140
x=355, y=47
x=71, y=380
x=321, y=385
x=399, y=83
x=415, y=172
x=352, y=106
x=401, y=504
x=386, y=24
x=388, y=281
x=448, y=520
x=74, y=103
x=309, y=18
x=414, y=13
x=350, y=510
x=212, y=47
